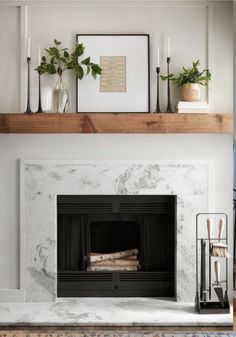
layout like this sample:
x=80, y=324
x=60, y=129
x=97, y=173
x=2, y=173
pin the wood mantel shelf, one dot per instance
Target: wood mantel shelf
x=146, y=123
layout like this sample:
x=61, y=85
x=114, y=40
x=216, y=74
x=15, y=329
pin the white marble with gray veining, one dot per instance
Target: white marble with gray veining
x=43, y=180
x=109, y=312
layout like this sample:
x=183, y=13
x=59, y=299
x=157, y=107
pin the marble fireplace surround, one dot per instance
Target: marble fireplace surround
x=43, y=179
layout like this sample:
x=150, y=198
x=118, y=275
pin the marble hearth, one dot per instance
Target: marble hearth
x=42, y=180
x=110, y=312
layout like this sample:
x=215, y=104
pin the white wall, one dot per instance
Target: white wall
x=196, y=30
x=234, y=67
x=10, y=59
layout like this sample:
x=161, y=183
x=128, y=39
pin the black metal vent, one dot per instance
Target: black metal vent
x=146, y=276
x=98, y=208
x=80, y=276
x=146, y=208
x=115, y=284
x=106, y=204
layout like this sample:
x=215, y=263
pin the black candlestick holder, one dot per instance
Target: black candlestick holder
x=40, y=110
x=158, y=90
x=168, y=87
x=28, y=108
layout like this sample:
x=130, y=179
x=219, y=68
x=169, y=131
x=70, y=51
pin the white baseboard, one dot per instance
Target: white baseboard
x=12, y=295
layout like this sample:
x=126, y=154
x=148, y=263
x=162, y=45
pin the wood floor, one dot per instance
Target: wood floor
x=102, y=331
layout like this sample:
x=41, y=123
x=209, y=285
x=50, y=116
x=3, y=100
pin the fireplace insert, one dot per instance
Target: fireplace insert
x=113, y=245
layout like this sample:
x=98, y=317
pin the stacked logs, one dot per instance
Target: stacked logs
x=121, y=261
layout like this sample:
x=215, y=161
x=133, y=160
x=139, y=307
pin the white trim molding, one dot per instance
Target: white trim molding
x=23, y=66
x=210, y=54
x=12, y=295
x=116, y=3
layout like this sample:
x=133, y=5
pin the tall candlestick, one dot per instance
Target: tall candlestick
x=168, y=47
x=168, y=87
x=158, y=57
x=39, y=55
x=40, y=110
x=28, y=107
x=28, y=47
x=158, y=90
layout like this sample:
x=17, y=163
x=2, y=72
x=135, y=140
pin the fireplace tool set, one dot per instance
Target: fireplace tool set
x=213, y=252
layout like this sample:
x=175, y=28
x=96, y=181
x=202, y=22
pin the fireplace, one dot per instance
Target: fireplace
x=142, y=228
x=42, y=180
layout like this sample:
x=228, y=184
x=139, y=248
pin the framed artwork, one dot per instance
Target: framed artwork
x=124, y=85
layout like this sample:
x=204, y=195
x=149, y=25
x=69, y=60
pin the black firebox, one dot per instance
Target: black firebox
x=91, y=226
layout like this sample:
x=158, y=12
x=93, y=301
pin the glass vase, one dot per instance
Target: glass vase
x=60, y=97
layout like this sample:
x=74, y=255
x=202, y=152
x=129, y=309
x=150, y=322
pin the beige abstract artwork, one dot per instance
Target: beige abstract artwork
x=113, y=78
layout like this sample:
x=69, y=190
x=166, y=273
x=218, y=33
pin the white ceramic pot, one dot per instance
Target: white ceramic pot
x=190, y=92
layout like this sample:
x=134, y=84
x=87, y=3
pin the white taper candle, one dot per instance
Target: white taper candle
x=168, y=47
x=39, y=55
x=158, y=57
x=28, y=46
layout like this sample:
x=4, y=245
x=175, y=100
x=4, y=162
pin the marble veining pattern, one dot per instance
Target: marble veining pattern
x=108, y=312
x=44, y=179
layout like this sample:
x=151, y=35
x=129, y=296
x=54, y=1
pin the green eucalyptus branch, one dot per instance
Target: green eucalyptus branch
x=59, y=59
x=190, y=75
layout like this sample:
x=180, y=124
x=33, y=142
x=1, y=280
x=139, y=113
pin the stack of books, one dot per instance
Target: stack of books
x=192, y=107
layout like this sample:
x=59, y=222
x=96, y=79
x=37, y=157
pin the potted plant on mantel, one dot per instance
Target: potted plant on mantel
x=190, y=80
x=57, y=61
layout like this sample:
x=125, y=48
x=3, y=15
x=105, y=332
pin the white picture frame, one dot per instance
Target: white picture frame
x=111, y=92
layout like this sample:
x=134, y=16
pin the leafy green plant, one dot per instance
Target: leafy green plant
x=190, y=75
x=59, y=59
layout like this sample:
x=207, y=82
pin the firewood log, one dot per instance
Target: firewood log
x=132, y=257
x=112, y=256
x=118, y=262
x=112, y=268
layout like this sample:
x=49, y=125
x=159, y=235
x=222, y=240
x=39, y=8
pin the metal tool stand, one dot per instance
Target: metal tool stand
x=203, y=300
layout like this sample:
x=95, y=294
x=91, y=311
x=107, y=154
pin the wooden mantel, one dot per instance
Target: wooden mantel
x=146, y=123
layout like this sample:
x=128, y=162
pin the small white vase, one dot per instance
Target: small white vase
x=190, y=92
